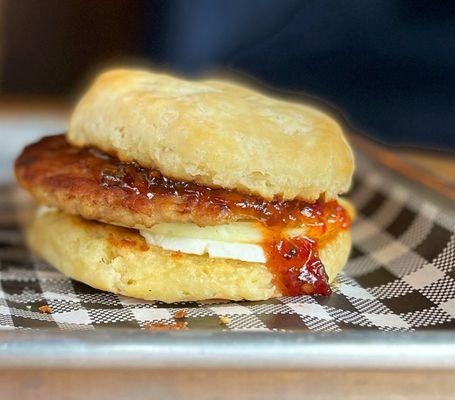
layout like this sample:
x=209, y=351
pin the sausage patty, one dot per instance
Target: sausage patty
x=98, y=186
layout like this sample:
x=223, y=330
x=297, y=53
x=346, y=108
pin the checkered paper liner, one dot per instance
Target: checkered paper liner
x=400, y=276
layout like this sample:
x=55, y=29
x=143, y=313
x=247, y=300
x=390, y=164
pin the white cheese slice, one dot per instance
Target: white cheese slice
x=238, y=232
x=214, y=248
x=238, y=241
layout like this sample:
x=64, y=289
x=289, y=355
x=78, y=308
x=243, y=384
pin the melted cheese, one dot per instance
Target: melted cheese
x=214, y=248
x=239, y=241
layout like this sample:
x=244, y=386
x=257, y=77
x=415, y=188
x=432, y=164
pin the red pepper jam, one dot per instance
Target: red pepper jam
x=85, y=172
x=297, y=267
x=295, y=261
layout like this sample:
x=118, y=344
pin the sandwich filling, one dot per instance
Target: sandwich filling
x=185, y=216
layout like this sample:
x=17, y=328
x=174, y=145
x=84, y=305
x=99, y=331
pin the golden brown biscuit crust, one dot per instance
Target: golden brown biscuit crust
x=216, y=133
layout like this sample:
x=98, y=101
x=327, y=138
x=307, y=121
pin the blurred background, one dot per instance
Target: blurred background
x=387, y=67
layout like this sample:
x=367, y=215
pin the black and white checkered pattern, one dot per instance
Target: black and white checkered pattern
x=401, y=276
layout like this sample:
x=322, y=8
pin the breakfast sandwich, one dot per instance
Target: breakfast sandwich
x=172, y=190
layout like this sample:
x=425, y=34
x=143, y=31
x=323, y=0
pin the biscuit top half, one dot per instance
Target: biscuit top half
x=214, y=133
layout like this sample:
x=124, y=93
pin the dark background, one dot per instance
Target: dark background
x=387, y=66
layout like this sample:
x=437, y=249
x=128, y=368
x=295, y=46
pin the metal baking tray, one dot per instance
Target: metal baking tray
x=383, y=314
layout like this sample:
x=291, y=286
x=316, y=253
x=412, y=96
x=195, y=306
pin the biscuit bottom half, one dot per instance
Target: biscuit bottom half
x=119, y=260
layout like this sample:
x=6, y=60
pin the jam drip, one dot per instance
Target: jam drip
x=296, y=266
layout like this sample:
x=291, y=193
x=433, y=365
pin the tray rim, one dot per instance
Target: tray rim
x=127, y=348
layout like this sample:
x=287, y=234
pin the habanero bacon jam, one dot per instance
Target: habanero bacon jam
x=99, y=205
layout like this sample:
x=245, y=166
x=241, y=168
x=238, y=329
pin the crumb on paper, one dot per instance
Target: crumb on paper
x=180, y=314
x=165, y=326
x=45, y=310
x=224, y=320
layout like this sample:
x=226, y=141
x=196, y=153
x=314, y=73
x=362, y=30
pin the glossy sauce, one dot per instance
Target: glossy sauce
x=296, y=266
x=295, y=261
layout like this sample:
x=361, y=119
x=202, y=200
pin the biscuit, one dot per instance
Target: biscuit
x=215, y=133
